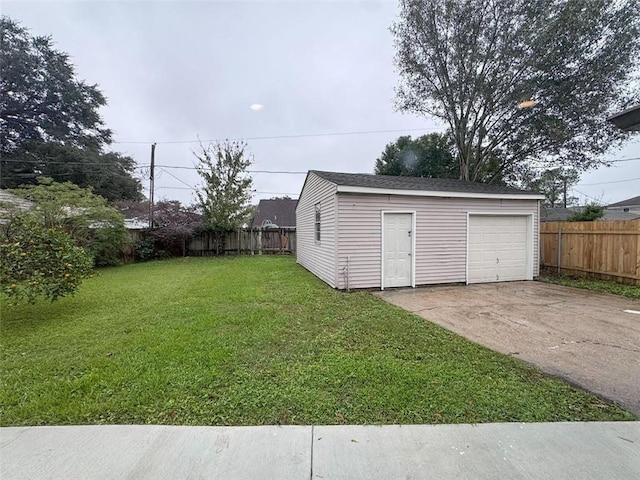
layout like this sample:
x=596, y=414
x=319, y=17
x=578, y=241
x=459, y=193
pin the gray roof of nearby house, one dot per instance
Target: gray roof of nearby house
x=620, y=215
x=628, y=119
x=280, y=211
x=417, y=183
x=14, y=200
x=629, y=202
x=9, y=201
x=560, y=214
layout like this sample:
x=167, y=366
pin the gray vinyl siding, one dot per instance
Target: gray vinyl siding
x=441, y=235
x=317, y=257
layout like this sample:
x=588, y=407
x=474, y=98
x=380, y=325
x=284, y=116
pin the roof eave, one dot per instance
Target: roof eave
x=628, y=119
x=432, y=193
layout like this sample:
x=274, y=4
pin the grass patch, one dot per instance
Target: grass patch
x=593, y=284
x=256, y=340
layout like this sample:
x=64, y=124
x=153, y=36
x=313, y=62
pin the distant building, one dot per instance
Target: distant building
x=626, y=210
x=275, y=213
x=628, y=119
x=11, y=203
x=629, y=206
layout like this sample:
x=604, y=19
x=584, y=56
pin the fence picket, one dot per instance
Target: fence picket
x=245, y=242
x=603, y=249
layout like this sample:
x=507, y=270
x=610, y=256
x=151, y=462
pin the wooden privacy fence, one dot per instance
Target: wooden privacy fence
x=247, y=242
x=604, y=249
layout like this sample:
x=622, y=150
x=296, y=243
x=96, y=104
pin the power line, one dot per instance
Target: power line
x=614, y=181
x=276, y=137
x=631, y=159
x=278, y=172
x=278, y=193
x=144, y=165
x=46, y=162
x=255, y=192
x=282, y=172
x=179, y=179
x=585, y=195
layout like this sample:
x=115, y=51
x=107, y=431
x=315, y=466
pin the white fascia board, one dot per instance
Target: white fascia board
x=431, y=193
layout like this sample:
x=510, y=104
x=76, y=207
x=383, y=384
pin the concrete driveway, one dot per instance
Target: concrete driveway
x=583, y=337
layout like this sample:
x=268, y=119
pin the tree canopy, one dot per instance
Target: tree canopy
x=555, y=185
x=519, y=81
x=50, y=122
x=426, y=156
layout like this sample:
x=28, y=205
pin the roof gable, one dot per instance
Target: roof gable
x=629, y=202
x=362, y=182
x=280, y=211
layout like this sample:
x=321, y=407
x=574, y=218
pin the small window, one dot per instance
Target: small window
x=317, y=222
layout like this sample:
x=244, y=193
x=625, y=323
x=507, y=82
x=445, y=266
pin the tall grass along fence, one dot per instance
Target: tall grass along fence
x=244, y=242
x=602, y=249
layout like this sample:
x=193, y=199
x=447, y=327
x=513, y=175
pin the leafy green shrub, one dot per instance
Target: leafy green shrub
x=590, y=213
x=106, y=245
x=86, y=217
x=36, y=261
x=144, y=249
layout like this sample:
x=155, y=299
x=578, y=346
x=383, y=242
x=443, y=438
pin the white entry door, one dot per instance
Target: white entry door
x=499, y=248
x=397, y=251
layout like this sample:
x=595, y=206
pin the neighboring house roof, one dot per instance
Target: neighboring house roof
x=136, y=223
x=628, y=119
x=628, y=203
x=620, y=215
x=9, y=201
x=558, y=214
x=280, y=212
x=369, y=183
x=561, y=214
x=7, y=198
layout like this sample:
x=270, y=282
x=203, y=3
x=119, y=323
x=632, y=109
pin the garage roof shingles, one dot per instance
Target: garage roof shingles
x=416, y=183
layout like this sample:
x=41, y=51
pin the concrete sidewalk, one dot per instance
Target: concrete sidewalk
x=598, y=450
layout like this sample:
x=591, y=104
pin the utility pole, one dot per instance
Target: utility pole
x=151, y=175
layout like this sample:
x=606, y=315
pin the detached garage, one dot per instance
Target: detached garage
x=376, y=231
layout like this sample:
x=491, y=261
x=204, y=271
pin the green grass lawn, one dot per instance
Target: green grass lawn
x=593, y=284
x=255, y=340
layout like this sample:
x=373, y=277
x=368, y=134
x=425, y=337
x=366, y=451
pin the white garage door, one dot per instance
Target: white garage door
x=499, y=248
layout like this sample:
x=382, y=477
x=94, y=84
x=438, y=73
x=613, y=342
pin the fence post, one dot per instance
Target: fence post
x=238, y=240
x=559, y=248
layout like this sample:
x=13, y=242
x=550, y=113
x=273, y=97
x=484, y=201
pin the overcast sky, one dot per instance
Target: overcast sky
x=179, y=71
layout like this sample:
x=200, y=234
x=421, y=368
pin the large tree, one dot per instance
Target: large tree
x=518, y=81
x=426, y=156
x=50, y=122
x=225, y=195
x=555, y=185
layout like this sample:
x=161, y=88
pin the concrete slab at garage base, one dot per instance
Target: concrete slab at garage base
x=598, y=450
x=584, y=337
